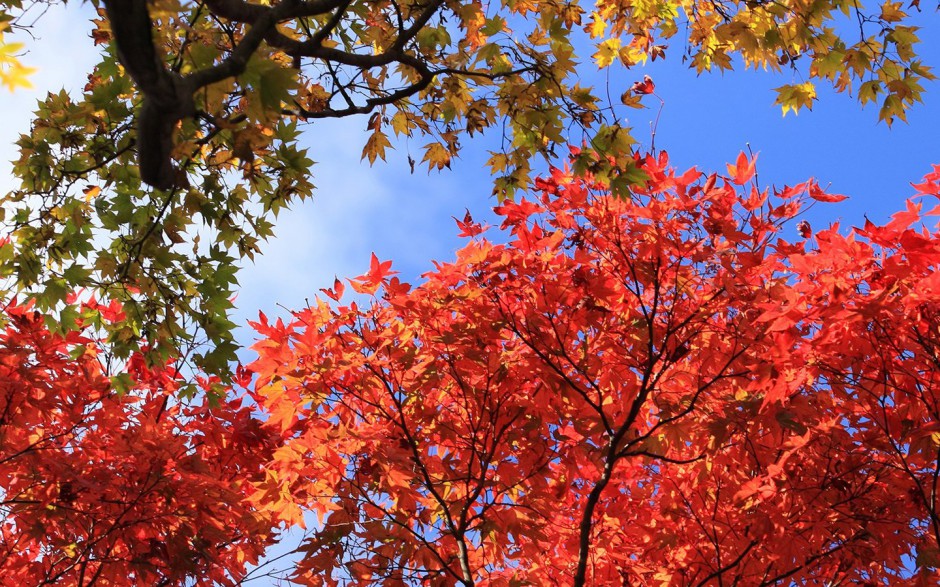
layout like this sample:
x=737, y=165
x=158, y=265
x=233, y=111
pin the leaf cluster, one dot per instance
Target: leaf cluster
x=111, y=482
x=653, y=390
x=205, y=100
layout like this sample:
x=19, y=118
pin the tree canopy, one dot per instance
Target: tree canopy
x=654, y=391
x=107, y=487
x=643, y=376
x=686, y=388
x=168, y=169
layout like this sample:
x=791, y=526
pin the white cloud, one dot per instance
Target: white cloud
x=357, y=210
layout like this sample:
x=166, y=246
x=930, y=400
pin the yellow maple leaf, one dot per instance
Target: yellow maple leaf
x=13, y=73
x=607, y=51
x=796, y=96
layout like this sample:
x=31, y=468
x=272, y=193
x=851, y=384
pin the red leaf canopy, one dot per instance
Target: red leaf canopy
x=658, y=390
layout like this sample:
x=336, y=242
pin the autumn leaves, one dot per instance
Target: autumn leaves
x=525, y=414
x=667, y=389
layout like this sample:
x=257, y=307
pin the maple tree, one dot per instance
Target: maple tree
x=648, y=384
x=680, y=388
x=871, y=305
x=205, y=100
x=106, y=486
x=655, y=390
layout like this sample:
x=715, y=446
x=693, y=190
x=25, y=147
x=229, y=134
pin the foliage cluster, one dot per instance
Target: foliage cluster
x=204, y=100
x=651, y=391
x=652, y=377
x=654, y=391
x=107, y=487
